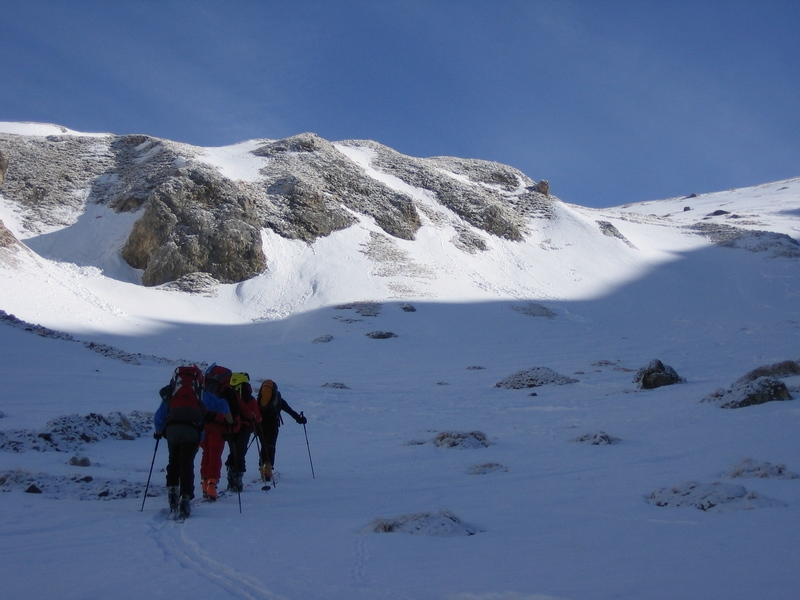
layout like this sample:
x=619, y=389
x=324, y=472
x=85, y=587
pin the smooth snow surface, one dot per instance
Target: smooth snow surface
x=532, y=513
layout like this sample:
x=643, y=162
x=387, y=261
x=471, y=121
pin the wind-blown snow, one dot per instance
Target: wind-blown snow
x=664, y=511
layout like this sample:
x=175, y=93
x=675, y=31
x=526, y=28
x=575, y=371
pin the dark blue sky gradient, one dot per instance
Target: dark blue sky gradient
x=611, y=101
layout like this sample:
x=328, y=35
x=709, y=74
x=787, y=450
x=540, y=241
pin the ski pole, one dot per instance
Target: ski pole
x=147, y=487
x=236, y=466
x=309, y=449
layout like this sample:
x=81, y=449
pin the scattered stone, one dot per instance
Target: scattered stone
x=656, y=375
x=533, y=310
x=440, y=524
x=601, y=438
x=408, y=308
x=533, y=377
x=461, y=439
x=718, y=213
x=476, y=368
x=608, y=229
x=80, y=461
x=710, y=496
x=336, y=386
x=323, y=339
x=776, y=245
x=365, y=309
x=750, y=393
x=68, y=433
x=381, y=335
x=33, y=489
x=764, y=470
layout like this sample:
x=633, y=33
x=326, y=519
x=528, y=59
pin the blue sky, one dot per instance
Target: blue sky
x=611, y=101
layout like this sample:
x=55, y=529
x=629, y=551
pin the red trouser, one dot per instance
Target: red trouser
x=213, y=444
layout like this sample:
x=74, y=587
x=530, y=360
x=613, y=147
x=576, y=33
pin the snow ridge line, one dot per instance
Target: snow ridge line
x=103, y=349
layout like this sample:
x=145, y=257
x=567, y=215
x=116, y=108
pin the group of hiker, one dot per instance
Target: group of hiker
x=208, y=410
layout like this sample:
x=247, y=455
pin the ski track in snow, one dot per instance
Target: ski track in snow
x=175, y=541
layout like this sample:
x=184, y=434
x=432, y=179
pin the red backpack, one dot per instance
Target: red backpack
x=185, y=396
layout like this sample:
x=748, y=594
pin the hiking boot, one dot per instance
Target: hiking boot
x=238, y=484
x=174, y=496
x=186, y=506
x=231, y=479
x=211, y=490
x=204, y=487
x=266, y=471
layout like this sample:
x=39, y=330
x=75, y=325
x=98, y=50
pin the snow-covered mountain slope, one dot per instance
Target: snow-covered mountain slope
x=388, y=344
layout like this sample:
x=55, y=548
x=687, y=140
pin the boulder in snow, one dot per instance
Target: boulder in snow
x=655, y=375
x=533, y=377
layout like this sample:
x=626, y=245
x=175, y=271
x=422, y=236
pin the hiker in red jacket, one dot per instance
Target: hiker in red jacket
x=217, y=425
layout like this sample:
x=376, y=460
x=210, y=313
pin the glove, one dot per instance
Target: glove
x=158, y=435
x=301, y=420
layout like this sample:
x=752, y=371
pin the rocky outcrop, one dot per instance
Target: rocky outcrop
x=656, y=374
x=196, y=222
x=194, y=219
x=760, y=385
x=3, y=167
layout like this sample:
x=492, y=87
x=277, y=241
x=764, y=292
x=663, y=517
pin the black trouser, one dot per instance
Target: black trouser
x=237, y=445
x=183, y=441
x=270, y=429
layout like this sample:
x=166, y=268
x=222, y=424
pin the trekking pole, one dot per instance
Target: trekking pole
x=309, y=449
x=236, y=466
x=147, y=487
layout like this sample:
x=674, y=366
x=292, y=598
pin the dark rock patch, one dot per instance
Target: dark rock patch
x=461, y=439
x=655, y=375
x=381, y=335
x=533, y=377
x=601, y=438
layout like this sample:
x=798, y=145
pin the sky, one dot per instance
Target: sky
x=612, y=102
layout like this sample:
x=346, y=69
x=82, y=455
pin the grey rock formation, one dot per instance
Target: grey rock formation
x=3, y=167
x=196, y=220
x=655, y=375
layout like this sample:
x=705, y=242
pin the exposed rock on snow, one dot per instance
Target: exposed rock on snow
x=750, y=393
x=762, y=384
x=323, y=339
x=440, y=524
x=601, y=438
x=461, y=439
x=103, y=349
x=611, y=231
x=655, y=375
x=715, y=496
x=381, y=335
x=365, y=309
x=776, y=244
x=485, y=468
x=533, y=377
x=755, y=468
x=81, y=487
x=336, y=385
x=533, y=310
x=68, y=433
